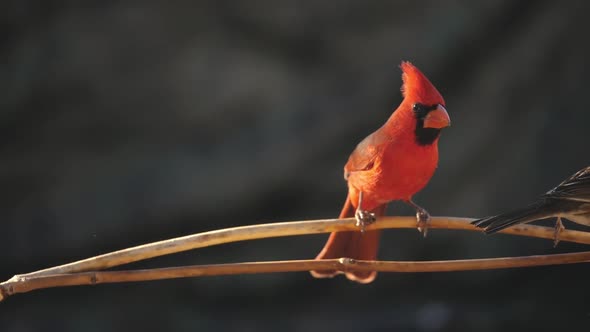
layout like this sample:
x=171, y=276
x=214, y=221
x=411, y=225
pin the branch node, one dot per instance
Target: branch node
x=17, y=278
x=347, y=264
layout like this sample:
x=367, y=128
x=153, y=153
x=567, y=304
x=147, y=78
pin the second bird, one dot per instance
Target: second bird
x=569, y=200
x=392, y=163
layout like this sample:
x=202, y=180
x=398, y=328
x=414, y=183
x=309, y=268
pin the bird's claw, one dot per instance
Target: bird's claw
x=364, y=218
x=558, y=229
x=422, y=218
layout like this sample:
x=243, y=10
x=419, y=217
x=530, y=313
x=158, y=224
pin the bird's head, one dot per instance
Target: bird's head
x=426, y=104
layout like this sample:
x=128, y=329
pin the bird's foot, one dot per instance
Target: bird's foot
x=422, y=219
x=558, y=229
x=364, y=218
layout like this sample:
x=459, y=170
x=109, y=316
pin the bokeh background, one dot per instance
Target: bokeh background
x=127, y=122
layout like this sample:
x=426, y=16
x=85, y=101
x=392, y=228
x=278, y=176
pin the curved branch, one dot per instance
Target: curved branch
x=27, y=284
x=260, y=231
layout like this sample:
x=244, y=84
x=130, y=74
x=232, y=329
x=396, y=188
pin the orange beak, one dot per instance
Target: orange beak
x=438, y=118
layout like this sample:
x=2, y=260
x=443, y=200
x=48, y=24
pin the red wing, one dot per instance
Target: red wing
x=364, y=155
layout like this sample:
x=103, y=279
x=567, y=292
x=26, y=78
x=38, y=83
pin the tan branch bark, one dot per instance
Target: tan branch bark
x=260, y=231
x=27, y=284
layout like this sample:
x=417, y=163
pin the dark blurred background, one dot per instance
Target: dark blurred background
x=123, y=123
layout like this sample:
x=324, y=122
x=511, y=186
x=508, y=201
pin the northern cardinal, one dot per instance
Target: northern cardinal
x=393, y=163
x=569, y=200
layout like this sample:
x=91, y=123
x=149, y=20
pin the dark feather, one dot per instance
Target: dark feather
x=536, y=211
x=424, y=136
x=576, y=187
x=568, y=198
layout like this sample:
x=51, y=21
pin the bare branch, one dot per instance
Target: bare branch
x=260, y=231
x=76, y=273
x=27, y=284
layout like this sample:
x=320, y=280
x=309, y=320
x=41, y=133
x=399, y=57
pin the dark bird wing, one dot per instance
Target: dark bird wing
x=567, y=196
x=539, y=210
x=575, y=188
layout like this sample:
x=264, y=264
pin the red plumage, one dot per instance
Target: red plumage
x=390, y=164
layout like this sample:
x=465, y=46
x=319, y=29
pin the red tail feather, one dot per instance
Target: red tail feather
x=356, y=245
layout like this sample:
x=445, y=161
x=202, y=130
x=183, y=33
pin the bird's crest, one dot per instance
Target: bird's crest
x=417, y=86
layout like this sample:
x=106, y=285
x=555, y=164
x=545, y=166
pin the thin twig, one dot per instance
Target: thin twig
x=260, y=231
x=23, y=285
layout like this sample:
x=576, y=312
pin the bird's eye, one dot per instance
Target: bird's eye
x=419, y=110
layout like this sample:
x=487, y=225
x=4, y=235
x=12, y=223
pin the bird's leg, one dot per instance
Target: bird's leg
x=422, y=217
x=558, y=229
x=363, y=217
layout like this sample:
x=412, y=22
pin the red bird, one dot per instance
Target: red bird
x=393, y=163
